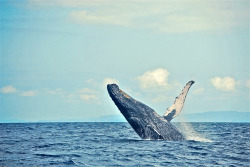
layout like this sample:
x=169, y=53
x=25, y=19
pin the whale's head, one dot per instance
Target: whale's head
x=114, y=91
x=122, y=100
x=128, y=106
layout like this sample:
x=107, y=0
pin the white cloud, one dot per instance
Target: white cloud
x=87, y=91
x=88, y=97
x=88, y=18
x=224, y=84
x=27, y=93
x=107, y=81
x=165, y=16
x=170, y=16
x=157, y=78
x=248, y=84
x=66, y=3
x=11, y=89
x=8, y=89
x=198, y=91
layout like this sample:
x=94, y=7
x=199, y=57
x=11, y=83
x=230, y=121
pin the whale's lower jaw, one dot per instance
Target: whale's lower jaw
x=144, y=120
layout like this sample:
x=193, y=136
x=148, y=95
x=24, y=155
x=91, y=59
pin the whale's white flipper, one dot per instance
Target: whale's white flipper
x=175, y=109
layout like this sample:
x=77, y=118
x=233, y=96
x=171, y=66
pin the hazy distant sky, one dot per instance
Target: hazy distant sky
x=56, y=56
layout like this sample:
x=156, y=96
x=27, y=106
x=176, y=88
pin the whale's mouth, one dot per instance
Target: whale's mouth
x=117, y=94
x=113, y=90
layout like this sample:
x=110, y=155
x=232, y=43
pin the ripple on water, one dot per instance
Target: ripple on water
x=116, y=144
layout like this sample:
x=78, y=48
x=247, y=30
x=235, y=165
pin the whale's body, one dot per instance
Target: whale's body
x=144, y=120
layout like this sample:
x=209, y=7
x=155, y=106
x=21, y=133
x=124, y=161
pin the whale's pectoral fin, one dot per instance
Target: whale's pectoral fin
x=175, y=109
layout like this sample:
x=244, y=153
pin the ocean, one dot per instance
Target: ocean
x=116, y=144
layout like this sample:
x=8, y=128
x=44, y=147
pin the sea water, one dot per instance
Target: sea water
x=116, y=144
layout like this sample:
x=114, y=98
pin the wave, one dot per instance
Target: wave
x=57, y=155
x=197, y=138
x=47, y=155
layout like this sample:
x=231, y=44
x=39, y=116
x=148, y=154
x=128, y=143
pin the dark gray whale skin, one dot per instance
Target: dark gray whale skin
x=143, y=119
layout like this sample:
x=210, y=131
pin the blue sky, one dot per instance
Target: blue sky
x=56, y=56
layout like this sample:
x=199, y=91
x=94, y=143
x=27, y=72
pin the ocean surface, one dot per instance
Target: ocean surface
x=116, y=144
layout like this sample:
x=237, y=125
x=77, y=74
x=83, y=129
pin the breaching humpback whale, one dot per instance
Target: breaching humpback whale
x=144, y=120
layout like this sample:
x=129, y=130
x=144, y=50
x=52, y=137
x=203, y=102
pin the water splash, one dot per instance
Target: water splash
x=191, y=134
x=187, y=129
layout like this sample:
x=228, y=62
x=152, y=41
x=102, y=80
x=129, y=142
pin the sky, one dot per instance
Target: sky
x=57, y=56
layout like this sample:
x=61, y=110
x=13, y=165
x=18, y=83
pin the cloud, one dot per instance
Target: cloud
x=87, y=90
x=88, y=18
x=27, y=93
x=157, y=78
x=164, y=16
x=248, y=84
x=169, y=16
x=198, y=91
x=11, y=89
x=66, y=3
x=107, y=81
x=8, y=89
x=88, y=97
x=226, y=84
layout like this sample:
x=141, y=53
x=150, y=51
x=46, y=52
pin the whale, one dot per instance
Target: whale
x=144, y=120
